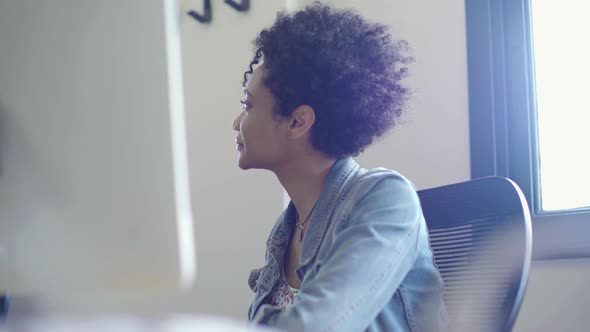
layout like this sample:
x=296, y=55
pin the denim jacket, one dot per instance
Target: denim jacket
x=366, y=263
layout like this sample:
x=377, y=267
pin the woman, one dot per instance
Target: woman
x=351, y=251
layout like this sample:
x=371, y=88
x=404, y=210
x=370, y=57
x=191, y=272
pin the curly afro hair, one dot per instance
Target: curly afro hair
x=348, y=70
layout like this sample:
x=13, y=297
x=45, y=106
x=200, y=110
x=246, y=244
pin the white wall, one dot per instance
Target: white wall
x=557, y=297
x=235, y=210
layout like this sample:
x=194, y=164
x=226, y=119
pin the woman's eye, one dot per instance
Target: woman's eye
x=245, y=105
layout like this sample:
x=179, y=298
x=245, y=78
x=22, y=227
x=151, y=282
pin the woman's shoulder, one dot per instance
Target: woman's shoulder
x=376, y=195
x=381, y=181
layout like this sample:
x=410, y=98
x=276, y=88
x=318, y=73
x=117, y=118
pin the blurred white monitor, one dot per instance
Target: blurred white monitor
x=94, y=188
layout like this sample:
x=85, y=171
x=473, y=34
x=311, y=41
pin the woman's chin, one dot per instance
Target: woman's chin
x=242, y=162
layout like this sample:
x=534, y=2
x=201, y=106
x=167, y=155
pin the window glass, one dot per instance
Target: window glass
x=562, y=79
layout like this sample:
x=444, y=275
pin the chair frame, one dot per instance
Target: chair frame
x=502, y=197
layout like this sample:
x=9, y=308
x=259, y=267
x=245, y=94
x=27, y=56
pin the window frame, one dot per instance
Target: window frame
x=503, y=119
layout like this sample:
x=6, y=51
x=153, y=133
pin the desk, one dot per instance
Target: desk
x=127, y=323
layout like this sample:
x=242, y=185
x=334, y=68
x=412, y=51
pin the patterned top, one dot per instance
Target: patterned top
x=282, y=294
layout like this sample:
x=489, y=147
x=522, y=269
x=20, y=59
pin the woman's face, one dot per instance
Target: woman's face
x=261, y=135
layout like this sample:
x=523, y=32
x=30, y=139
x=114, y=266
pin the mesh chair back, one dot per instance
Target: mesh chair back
x=480, y=234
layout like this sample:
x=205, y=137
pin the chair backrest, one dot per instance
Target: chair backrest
x=481, y=238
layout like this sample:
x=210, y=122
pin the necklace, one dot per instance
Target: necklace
x=301, y=225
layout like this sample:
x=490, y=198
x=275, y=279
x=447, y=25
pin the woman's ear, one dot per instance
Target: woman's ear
x=301, y=121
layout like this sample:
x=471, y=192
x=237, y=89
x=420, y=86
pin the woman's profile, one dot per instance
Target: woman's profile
x=351, y=251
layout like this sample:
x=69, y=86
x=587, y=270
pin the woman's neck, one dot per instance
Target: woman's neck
x=304, y=179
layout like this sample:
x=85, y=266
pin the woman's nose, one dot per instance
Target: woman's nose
x=237, y=121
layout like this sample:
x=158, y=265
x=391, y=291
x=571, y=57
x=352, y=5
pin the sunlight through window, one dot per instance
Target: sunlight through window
x=562, y=69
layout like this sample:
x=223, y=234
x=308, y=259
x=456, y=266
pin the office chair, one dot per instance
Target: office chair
x=481, y=238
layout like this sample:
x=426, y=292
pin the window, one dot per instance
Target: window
x=528, y=118
x=562, y=73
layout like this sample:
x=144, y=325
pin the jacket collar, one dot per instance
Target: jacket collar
x=279, y=239
x=337, y=181
x=339, y=176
